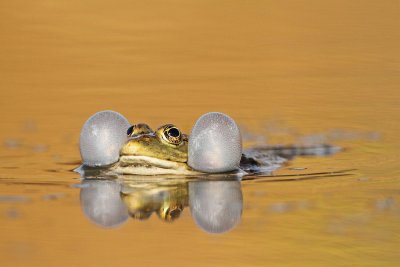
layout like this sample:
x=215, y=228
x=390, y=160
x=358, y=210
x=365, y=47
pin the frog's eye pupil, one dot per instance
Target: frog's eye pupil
x=130, y=130
x=173, y=132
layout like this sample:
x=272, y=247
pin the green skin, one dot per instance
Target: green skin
x=146, y=152
x=155, y=145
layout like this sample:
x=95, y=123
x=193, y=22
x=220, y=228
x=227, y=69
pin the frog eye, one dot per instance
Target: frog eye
x=129, y=132
x=172, y=134
x=171, y=213
x=138, y=129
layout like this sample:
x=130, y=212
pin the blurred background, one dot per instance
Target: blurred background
x=286, y=71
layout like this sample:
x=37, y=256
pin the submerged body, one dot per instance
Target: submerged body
x=165, y=151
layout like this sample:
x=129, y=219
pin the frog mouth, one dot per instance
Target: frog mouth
x=146, y=165
x=149, y=161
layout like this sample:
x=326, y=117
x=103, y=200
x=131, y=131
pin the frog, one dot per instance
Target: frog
x=148, y=152
x=165, y=152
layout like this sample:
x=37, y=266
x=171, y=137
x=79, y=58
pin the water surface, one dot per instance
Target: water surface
x=296, y=72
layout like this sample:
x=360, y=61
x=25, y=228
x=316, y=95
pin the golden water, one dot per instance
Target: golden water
x=285, y=70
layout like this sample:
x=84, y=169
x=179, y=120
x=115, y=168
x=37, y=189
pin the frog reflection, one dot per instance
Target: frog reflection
x=101, y=203
x=167, y=200
x=216, y=206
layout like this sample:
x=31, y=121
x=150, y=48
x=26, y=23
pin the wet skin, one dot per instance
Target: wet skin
x=167, y=143
x=148, y=152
